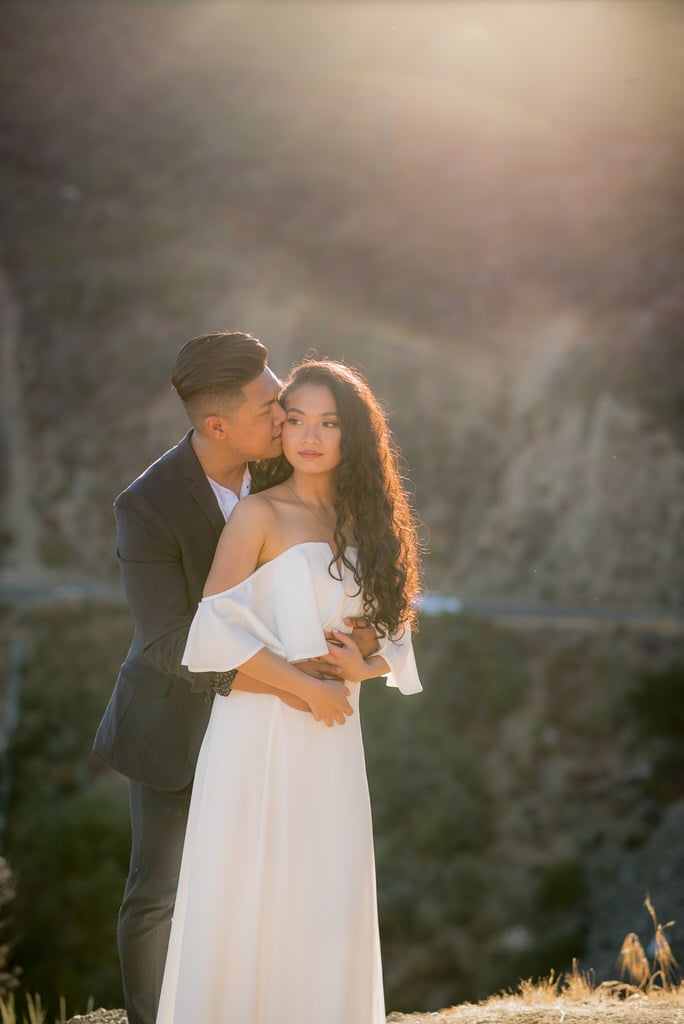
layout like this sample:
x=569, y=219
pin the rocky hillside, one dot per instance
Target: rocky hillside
x=504, y=269
x=530, y=489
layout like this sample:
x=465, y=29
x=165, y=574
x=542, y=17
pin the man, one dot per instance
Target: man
x=168, y=522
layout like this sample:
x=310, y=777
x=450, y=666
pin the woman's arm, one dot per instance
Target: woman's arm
x=239, y=552
x=248, y=685
x=240, y=545
x=327, y=698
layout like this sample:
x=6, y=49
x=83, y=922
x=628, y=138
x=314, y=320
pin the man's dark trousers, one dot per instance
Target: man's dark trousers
x=168, y=523
x=159, y=819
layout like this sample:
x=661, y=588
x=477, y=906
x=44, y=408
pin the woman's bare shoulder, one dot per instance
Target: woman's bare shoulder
x=241, y=544
x=276, y=493
x=252, y=514
x=254, y=501
x=269, y=502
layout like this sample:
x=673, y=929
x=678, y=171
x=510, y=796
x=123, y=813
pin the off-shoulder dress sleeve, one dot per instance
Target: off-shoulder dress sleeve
x=402, y=664
x=275, y=607
x=287, y=605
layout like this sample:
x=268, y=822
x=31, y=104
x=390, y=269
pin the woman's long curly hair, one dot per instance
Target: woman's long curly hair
x=370, y=497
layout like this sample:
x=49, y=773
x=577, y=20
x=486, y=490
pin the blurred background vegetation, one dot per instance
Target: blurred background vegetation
x=481, y=205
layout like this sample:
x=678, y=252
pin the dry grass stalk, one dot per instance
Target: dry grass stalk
x=661, y=975
x=577, y=985
x=666, y=975
x=539, y=991
x=633, y=962
x=36, y=1014
x=641, y=980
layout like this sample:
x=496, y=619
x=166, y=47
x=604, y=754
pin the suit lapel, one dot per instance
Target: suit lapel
x=198, y=485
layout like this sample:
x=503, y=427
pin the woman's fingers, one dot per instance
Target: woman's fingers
x=330, y=704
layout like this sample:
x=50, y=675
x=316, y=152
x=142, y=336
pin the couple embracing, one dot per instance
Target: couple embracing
x=257, y=616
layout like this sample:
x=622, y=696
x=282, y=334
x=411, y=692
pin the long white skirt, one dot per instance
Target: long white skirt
x=276, y=914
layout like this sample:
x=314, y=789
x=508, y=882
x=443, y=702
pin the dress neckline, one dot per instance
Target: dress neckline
x=272, y=561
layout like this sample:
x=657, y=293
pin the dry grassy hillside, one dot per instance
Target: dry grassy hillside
x=503, y=1012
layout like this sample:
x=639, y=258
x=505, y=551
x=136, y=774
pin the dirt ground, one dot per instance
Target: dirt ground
x=507, y=1011
x=562, y=1012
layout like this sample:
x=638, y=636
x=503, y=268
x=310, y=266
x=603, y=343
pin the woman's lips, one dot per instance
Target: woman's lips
x=309, y=455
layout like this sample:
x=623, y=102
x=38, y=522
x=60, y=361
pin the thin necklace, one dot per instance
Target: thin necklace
x=312, y=509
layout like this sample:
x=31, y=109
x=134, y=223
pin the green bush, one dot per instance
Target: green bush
x=68, y=831
x=433, y=809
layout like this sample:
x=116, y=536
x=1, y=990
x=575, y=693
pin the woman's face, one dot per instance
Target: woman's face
x=311, y=432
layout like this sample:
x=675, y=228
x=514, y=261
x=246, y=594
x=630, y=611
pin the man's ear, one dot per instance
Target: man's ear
x=215, y=428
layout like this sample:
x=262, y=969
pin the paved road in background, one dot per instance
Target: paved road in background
x=662, y=621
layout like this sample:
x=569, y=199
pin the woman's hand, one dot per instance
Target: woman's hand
x=345, y=653
x=327, y=699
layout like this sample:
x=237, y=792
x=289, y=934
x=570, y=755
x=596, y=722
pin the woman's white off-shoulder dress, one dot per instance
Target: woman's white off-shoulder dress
x=276, y=917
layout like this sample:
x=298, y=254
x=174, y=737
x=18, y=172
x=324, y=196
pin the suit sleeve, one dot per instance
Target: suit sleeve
x=154, y=582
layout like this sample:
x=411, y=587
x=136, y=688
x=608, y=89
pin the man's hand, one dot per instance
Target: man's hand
x=347, y=655
x=320, y=668
x=362, y=634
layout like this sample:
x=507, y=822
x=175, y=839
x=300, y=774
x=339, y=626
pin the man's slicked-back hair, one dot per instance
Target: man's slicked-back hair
x=215, y=366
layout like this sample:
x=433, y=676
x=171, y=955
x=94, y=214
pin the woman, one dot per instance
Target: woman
x=275, y=919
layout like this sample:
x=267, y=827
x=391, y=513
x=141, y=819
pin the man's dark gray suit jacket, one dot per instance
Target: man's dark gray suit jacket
x=167, y=525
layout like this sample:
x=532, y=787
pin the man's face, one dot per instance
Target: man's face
x=253, y=427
